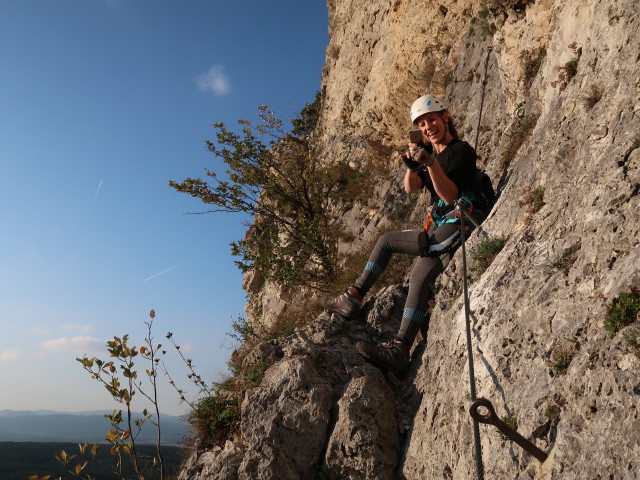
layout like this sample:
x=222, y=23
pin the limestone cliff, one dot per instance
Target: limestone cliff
x=561, y=119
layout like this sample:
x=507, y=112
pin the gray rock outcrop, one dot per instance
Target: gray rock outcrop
x=561, y=118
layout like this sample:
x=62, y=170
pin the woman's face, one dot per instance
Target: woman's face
x=433, y=126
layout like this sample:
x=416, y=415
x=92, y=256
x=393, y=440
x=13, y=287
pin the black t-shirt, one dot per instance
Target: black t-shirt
x=458, y=161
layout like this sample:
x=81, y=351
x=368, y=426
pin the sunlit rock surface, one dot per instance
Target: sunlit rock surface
x=321, y=412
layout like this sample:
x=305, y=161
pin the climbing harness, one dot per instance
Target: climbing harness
x=447, y=246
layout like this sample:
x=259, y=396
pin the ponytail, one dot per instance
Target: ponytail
x=451, y=127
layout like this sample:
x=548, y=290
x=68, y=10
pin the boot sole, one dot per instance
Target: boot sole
x=342, y=313
x=381, y=365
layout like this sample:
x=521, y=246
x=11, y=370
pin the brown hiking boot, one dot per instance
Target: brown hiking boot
x=348, y=304
x=388, y=356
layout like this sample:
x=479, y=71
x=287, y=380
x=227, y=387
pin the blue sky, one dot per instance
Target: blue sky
x=102, y=102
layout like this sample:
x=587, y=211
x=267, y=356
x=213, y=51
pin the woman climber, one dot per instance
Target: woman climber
x=444, y=165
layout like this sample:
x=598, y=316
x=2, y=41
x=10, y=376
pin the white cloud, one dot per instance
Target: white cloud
x=9, y=354
x=38, y=331
x=80, y=328
x=215, y=80
x=73, y=344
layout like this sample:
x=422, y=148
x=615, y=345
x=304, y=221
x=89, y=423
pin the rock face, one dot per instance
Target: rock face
x=560, y=124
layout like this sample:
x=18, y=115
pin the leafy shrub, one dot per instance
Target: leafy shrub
x=594, y=96
x=242, y=330
x=228, y=382
x=482, y=21
x=552, y=412
x=254, y=374
x=486, y=253
x=537, y=199
x=570, y=69
x=213, y=416
x=532, y=200
x=623, y=310
x=531, y=63
x=562, y=356
x=520, y=135
x=561, y=363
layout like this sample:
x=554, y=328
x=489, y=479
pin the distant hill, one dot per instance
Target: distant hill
x=22, y=413
x=20, y=460
x=50, y=426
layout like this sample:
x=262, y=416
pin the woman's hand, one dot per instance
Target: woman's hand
x=421, y=154
x=443, y=186
x=408, y=159
x=411, y=148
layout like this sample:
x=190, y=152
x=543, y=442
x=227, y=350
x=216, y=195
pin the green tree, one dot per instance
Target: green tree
x=306, y=122
x=287, y=190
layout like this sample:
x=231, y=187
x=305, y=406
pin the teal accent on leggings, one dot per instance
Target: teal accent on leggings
x=413, y=315
x=373, y=268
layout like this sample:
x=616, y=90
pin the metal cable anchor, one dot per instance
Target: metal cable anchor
x=493, y=419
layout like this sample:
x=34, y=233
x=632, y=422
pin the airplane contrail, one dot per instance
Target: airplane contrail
x=167, y=270
x=95, y=195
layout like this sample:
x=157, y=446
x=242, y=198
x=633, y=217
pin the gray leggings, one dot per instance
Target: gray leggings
x=425, y=271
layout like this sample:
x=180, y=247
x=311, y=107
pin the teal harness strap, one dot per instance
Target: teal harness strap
x=444, y=213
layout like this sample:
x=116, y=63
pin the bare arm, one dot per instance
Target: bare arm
x=444, y=187
x=412, y=182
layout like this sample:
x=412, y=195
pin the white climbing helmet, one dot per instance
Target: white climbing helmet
x=426, y=104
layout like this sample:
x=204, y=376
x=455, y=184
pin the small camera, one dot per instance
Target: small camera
x=415, y=136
